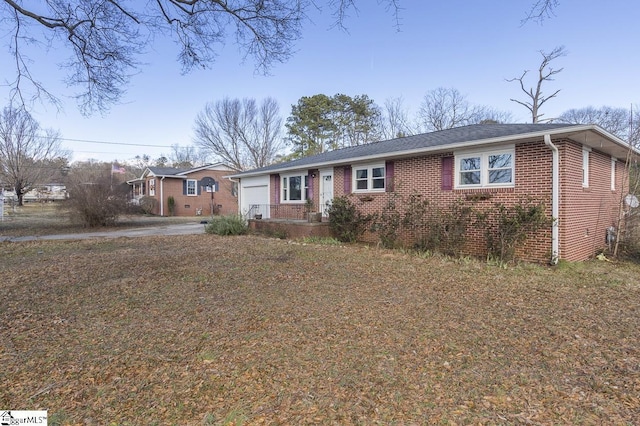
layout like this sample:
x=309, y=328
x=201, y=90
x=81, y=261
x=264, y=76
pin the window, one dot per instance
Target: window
x=295, y=187
x=152, y=187
x=485, y=169
x=585, y=166
x=369, y=178
x=613, y=173
x=192, y=187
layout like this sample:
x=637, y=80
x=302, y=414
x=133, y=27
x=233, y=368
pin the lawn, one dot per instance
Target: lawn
x=209, y=330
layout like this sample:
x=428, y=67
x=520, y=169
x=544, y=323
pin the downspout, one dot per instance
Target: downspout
x=555, y=198
x=162, y=196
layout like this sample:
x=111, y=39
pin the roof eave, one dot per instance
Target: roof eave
x=568, y=131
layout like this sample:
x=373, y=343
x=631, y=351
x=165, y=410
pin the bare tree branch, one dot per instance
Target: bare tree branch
x=240, y=133
x=396, y=119
x=541, y=10
x=444, y=108
x=545, y=73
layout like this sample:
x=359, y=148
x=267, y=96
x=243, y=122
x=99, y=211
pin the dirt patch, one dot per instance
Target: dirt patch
x=247, y=330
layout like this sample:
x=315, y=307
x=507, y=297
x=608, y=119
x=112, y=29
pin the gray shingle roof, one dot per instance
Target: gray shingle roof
x=424, y=141
x=166, y=171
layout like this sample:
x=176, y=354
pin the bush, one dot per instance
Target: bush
x=346, y=221
x=387, y=223
x=630, y=239
x=96, y=203
x=171, y=204
x=427, y=227
x=507, y=227
x=227, y=225
x=440, y=229
x=148, y=204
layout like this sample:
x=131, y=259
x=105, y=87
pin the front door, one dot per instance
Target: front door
x=326, y=191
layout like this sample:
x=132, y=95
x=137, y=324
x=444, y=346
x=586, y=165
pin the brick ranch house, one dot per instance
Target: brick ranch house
x=196, y=191
x=578, y=171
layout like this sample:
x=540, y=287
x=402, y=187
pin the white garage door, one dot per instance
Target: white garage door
x=254, y=194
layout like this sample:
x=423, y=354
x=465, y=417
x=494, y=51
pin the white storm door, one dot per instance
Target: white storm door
x=326, y=190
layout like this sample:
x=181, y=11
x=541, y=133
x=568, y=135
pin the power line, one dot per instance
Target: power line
x=100, y=142
x=114, y=143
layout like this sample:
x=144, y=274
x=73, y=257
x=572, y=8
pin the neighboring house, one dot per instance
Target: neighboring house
x=578, y=171
x=42, y=193
x=196, y=191
x=47, y=192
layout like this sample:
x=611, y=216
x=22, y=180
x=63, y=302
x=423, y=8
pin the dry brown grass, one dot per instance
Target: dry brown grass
x=246, y=330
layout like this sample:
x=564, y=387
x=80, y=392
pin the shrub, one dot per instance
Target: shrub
x=148, y=204
x=96, y=203
x=630, y=238
x=509, y=226
x=171, y=204
x=346, y=221
x=227, y=225
x=388, y=222
x=443, y=229
x=426, y=226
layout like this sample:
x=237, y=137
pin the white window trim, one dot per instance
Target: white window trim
x=195, y=194
x=484, y=167
x=283, y=189
x=585, y=166
x=152, y=187
x=369, y=168
x=613, y=173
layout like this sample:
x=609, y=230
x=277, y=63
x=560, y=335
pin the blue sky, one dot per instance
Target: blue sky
x=468, y=45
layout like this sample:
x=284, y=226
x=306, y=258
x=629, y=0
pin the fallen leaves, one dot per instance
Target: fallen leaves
x=248, y=330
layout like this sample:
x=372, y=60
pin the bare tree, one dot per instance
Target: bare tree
x=239, y=132
x=443, y=108
x=486, y=115
x=29, y=155
x=545, y=73
x=621, y=122
x=395, y=120
x=140, y=162
x=186, y=156
x=613, y=120
x=446, y=108
x=541, y=9
x=105, y=38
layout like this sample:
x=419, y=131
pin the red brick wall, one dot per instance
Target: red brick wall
x=290, y=229
x=586, y=213
x=294, y=210
x=423, y=175
x=223, y=200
